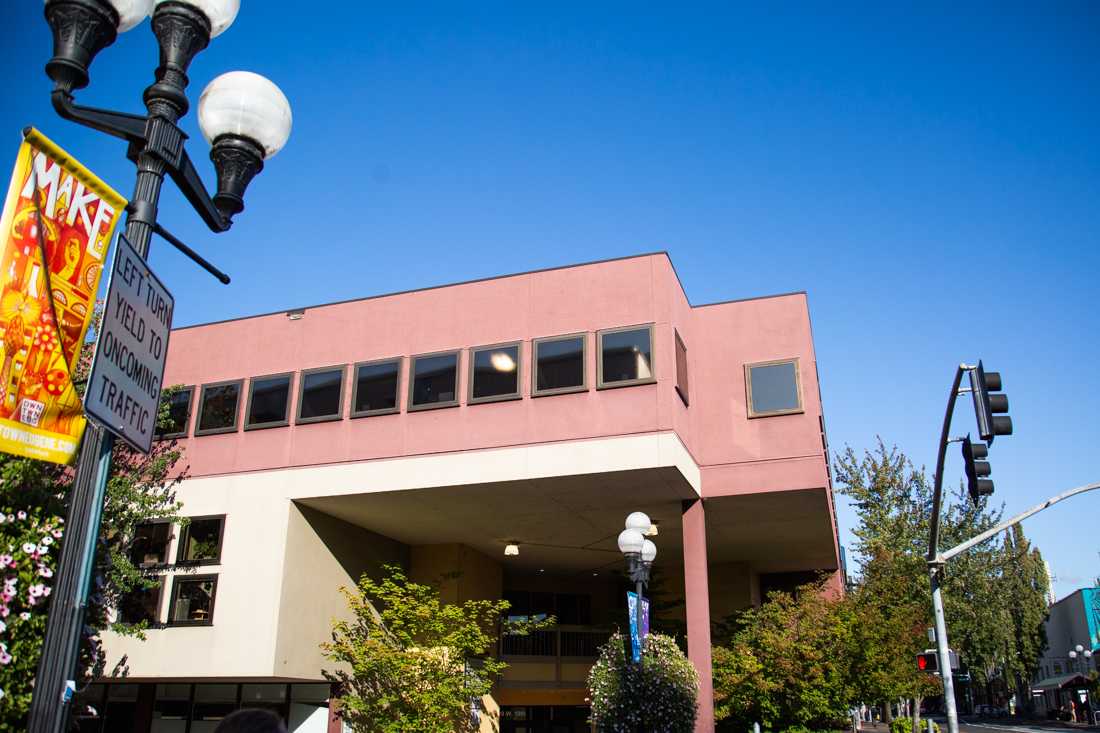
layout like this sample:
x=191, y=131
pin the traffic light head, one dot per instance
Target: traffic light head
x=989, y=408
x=977, y=469
x=927, y=662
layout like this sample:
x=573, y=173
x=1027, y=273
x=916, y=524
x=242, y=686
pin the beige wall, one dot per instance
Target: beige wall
x=322, y=555
x=461, y=573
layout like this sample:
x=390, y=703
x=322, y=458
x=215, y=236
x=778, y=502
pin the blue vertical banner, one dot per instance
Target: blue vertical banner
x=637, y=635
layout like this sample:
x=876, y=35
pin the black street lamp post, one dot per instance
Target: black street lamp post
x=247, y=119
x=640, y=554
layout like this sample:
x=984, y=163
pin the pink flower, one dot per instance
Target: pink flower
x=3, y=627
x=21, y=514
x=5, y=658
x=4, y=610
x=45, y=572
x=36, y=590
x=56, y=534
x=26, y=615
x=6, y=560
x=31, y=601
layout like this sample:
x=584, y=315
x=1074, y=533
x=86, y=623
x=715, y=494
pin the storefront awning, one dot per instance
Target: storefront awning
x=1058, y=683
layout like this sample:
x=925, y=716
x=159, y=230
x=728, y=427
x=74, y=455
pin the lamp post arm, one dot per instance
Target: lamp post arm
x=187, y=179
x=129, y=127
x=963, y=547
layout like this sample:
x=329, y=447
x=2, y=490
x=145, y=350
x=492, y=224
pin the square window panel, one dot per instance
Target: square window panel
x=494, y=373
x=150, y=545
x=321, y=395
x=179, y=414
x=140, y=605
x=773, y=388
x=268, y=401
x=626, y=356
x=219, y=409
x=434, y=381
x=193, y=600
x=681, y=369
x=559, y=365
x=376, y=388
x=201, y=541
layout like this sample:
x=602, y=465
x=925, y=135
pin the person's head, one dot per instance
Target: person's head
x=251, y=721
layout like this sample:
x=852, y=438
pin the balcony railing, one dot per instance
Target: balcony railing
x=582, y=642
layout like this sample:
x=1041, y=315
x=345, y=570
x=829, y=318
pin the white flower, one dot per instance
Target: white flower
x=47, y=540
x=43, y=550
x=26, y=615
x=21, y=514
x=28, y=547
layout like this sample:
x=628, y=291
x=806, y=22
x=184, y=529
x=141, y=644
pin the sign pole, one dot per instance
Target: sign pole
x=55, y=680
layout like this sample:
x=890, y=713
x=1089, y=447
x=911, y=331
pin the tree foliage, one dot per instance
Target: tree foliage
x=406, y=661
x=788, y=663
x=33, y=500
x=661, y=693
x=993, y=594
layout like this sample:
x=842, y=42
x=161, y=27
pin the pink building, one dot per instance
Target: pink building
x=434, y=428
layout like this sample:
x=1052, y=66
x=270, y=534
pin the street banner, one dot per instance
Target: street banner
x=55, y=231
x=123, y=390
x=637, y=634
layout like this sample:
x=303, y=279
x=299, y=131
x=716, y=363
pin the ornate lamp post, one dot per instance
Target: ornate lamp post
x=247, y=120
x=640, y=554
x=1082, y=655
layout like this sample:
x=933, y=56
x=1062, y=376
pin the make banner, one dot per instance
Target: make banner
x=56, y=229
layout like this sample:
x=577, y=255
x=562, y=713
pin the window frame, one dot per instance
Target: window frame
x=178, y=580
x=752, y=413
x=352, y=412
x=470, y=372
x=678, y=344
x=155, y=622
x=185, y=534
x=236, y=413
x=298, y=419
x=167, y=546
x=186, y=421
x=286, y=411
x=536, y=343
x=600, y=384
x=410, y=407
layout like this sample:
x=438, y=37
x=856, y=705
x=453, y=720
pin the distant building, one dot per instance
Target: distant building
x=1074, y=621
x=501, y=429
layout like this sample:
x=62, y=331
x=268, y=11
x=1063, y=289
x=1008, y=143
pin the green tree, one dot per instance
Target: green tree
x=408, y=662
x=993, y=593
x=788, y=663
x=33, y=498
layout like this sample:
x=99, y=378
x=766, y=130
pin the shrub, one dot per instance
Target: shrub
x=660, y=695
x=905, y=725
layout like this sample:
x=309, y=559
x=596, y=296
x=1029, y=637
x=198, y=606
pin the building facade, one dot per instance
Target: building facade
x=431, y=429
x=1061, y=684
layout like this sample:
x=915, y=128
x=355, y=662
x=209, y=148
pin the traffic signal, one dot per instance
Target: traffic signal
x=988, y=407
x=928, y=662
x=976, y=469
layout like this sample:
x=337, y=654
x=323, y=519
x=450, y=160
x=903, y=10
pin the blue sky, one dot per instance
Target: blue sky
x=929, y=175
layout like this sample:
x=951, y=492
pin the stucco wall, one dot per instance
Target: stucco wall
x=322, y=555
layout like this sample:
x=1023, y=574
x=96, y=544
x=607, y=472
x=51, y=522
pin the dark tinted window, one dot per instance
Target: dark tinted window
x=139, y=605
x=201, y=541
x=626, y=356
x=179, y=413
x=434, y=380
x=376, y=386
x=193, y=600
x=681, y=369
x=559, y=364
x=150, y=545
x=219, y=407
x=269, y=400
x=320, y=395
x=495, y=372
x=773, y=388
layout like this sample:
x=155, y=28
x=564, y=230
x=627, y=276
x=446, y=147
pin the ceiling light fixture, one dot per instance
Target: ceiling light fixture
x=652, y=531
x=511, y=549
x=502, y=361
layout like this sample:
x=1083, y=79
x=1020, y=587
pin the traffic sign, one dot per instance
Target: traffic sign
x=124, y=385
